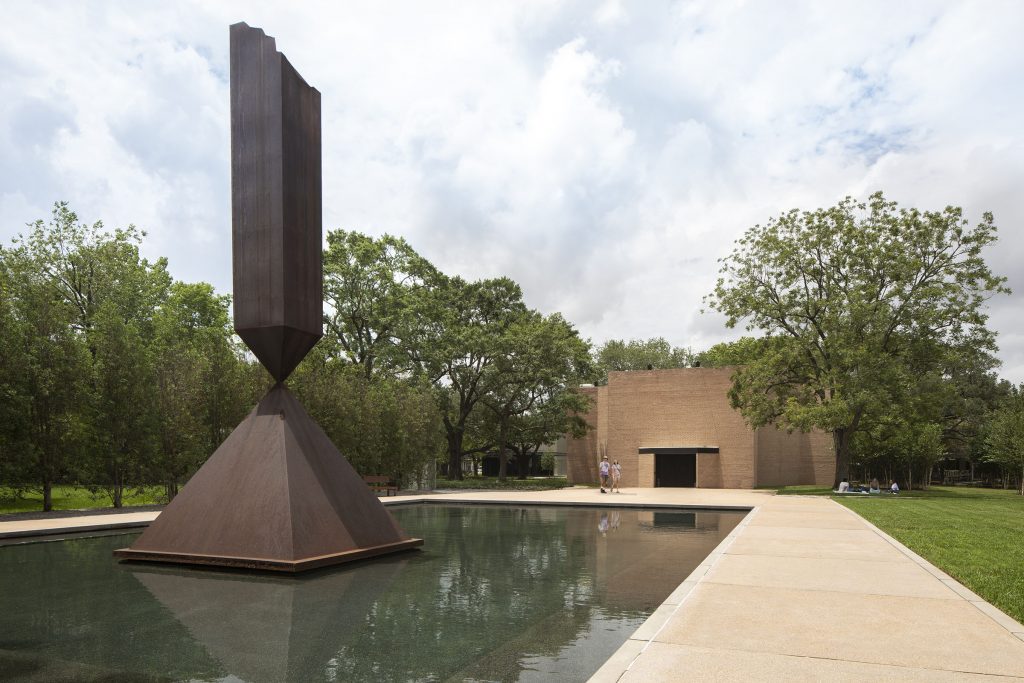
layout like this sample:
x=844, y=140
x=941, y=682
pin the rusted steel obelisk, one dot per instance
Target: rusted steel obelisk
x=277, y=494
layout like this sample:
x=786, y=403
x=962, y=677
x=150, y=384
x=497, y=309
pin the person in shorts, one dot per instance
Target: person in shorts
x=616, y=476
x=604, y=470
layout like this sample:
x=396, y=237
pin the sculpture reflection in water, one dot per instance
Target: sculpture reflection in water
x=269, y=629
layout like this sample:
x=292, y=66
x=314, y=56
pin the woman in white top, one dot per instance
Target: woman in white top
x=616, y=475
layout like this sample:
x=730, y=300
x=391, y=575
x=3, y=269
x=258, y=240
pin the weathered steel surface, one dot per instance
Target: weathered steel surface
x=276, y=495
x=276, y=215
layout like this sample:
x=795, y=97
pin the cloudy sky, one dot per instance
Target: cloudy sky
x=602, y=154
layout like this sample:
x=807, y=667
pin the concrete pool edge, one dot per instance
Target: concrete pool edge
x=28, y=529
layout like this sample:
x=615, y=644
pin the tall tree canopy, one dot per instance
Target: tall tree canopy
x=369, y=285
x=863, y=295
x=456, y=342
x=740, y=352
x=539, y=360
x=1004, y=435
x=639, y=354
x=113, y=375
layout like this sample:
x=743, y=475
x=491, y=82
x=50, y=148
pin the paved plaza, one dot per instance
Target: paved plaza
x=802, y=589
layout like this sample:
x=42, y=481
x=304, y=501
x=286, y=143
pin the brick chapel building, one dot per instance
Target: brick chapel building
x=676, y=428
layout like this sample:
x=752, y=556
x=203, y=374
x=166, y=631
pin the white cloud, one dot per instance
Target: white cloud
x=604, y=155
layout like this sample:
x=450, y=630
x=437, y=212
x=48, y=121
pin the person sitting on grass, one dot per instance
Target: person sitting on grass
x=874, y=486
x=895, y=488
x=605, y=469
x=844, y=486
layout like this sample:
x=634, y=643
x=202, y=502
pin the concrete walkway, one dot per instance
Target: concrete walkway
x=67, y=525
x=802, y=589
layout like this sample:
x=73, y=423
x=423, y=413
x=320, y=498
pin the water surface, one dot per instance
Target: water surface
x=497, y=594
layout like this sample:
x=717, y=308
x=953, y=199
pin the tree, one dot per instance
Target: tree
x=557, y=415
x=855, y=292
x=112, y=293
x=537, y=358
x=455, y=342
x=368, y=286
x=639, y=354
x=1004, y=435
x=975, y=391
x=200, y=390
x=126, y=419
x=43, y=368
x=382, y=425
x=740, y=352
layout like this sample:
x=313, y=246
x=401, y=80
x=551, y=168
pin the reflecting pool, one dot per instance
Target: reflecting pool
x=497, y=593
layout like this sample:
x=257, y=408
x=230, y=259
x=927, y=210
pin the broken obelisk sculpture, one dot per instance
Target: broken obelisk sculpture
x=277, y=494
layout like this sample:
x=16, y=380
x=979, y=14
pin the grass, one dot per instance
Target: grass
x=74, y=498
x=974, y=535
x=510, y=483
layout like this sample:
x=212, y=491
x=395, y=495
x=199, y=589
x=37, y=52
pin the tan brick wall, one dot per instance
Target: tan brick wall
x=680, y=407
x=690, y=407
x=644, y=470
x=796, y=458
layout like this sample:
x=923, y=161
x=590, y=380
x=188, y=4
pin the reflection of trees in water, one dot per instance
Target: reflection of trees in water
x=493, y=587
x=483, y=607
x=68, y=610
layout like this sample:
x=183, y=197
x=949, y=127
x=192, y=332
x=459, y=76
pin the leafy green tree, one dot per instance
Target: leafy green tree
x=126, y=419
x=43, y=368
x=855, y=292
x=382, y=425
x=1004, y=435
x=368, y=287
x=740, y=352
x=200, y=393
x=557, y=415
x=536, y=358
x=455, y=342
x=975, y=391
x=89, y=266
x=113, y=293
x=639, y=354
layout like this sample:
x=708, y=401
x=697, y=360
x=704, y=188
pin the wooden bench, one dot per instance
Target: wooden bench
x=380, y=483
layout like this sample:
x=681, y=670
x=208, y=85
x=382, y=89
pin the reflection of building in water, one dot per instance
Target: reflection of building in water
x=676, y=428
x=270, y=628
x=654, y=553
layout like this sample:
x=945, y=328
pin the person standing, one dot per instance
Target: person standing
x=604, y=470
x=616, y=476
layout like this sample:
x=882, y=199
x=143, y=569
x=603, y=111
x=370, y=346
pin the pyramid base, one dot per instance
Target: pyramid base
x=276, y=495
x=267, y=564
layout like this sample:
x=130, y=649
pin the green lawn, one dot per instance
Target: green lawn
x=74, y=498
x=974, y=535
x=511, y=483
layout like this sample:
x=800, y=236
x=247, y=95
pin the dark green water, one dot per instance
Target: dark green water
x=497, y=593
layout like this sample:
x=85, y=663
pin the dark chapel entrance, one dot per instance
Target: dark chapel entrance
x=675, y=469
x=677, y=466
